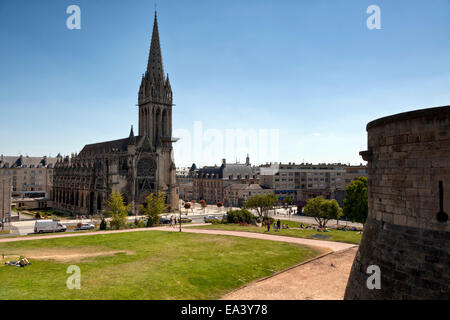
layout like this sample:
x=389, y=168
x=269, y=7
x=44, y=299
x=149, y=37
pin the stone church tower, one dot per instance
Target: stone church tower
x=155, y=123
x=135, y=166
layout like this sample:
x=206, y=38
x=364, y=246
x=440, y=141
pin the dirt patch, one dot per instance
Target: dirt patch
x=321, y=279
x=70, y=255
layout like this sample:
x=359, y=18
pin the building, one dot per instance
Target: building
x=31, y=177
x=235, y=195
x=185, y=183
x=134, y=166
x=305, y=181
x=209, y=183
x=5, y=196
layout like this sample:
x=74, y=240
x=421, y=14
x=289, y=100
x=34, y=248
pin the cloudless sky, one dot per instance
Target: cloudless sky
x=310, y=69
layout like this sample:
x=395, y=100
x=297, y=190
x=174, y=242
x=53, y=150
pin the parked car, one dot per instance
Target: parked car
x=85, y=226
x=164, y=220
x=42, y=226
x=210, y=217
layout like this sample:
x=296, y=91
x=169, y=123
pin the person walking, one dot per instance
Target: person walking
x=278, y=224
x=268, y=225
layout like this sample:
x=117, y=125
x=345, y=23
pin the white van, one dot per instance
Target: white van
x=48, y=226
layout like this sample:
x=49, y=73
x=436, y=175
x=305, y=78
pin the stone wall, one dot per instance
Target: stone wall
x=408, y=159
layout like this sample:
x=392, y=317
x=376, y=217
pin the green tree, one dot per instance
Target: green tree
x=322, y=210
x=154, y=207
x=355, y=203
x=117, y=210
x=261, y=203
x=287, y=201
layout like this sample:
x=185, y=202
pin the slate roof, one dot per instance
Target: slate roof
x=109, y=146
x=26, y=162
x=226, y=170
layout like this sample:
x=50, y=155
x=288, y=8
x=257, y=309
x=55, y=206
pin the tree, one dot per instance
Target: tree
x=203, y=204
x=261, y=203
x=187, y=205
x=117, y=210
x=219, y=204
x=287, y=201
x=322, y=210
x=154, y=207
x=355, y=203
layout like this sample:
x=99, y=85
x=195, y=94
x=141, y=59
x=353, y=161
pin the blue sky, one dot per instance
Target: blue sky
x=310, y=70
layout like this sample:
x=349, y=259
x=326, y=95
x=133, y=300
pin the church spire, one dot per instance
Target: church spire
x=131, y=139
x=155, y=68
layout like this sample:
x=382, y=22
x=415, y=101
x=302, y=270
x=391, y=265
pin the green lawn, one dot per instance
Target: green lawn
x=153, y=265
x=335, y=235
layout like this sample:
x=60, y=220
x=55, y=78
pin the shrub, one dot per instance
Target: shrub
x=237, y=216
x=37, y=215
x=214, y=221
x=103, y=224
x=79, y=224
x=272, y=220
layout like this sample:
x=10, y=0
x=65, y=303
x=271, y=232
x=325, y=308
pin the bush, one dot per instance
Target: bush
x=272, y=220
x=238, y=216
x=214, y=221
x=37, y=215
x=79, y=224
x=103, y=224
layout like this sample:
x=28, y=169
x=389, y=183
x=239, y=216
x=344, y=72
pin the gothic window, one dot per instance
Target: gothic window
x=146, y=167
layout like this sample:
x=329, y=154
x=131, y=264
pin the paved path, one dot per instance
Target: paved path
x=91, y=233
x=324, y=278
x=330, y=245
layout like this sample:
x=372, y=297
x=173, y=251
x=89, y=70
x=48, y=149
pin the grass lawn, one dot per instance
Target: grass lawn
x=335, y=235
x=143, y=265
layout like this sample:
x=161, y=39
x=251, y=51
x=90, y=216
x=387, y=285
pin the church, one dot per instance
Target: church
x=136, y=165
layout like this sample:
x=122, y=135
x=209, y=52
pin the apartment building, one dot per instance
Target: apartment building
x=306, y=180
x=31, y=177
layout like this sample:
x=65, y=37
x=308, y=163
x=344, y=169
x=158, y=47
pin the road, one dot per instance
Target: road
x=25, y=227
x=197, y=215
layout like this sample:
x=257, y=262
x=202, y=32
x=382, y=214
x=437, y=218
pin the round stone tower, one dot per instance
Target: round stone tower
x=407, y=233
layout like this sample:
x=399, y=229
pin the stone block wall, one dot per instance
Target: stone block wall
x=408, y=158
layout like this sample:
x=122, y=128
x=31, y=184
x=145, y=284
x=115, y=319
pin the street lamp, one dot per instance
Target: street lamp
x=180, y=219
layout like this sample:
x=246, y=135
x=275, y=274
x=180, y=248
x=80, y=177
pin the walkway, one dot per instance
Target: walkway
x=330, y=245
x=324, y=278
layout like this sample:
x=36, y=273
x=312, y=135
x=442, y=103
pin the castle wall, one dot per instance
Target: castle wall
x=408, y=157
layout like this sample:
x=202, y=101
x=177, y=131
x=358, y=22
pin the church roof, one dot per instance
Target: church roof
x=120, y=145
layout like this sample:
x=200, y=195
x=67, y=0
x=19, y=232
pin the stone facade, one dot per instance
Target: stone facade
x=31, y=177
x=134, y=166
x=209, y=183
x=407, y=233
x=305, y=181
x=5, y=197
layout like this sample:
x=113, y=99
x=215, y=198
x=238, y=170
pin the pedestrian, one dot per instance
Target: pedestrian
x=278, y=224
x=268, y=225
